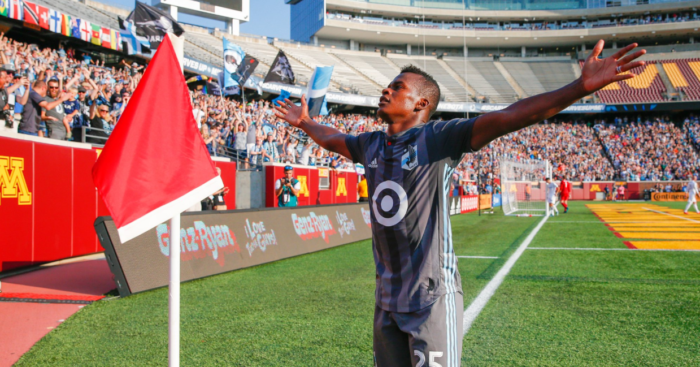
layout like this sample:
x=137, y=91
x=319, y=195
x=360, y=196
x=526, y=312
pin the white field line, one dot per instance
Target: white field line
x=602, y=249
x=473, y=311
x=478, y=257
x=671, y=215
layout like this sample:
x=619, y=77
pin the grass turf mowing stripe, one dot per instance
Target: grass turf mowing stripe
x=472, y=312
x=477, y=257
x=665, y=245
x=545, y=278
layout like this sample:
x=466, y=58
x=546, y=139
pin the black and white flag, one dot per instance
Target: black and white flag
x=280, y=71
x=153, y=23
x=246, y=69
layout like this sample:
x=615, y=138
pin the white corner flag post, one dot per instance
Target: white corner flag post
x=124, y=175
x=174, y=286
x=174, y=294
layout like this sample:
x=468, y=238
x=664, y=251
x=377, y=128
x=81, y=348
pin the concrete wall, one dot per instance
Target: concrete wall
x=250, y=189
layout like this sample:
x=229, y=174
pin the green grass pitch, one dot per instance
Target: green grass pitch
x=555, y=308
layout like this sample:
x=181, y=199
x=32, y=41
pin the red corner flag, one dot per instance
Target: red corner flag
x=155, y=164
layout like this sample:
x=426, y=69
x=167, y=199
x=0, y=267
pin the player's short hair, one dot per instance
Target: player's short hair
x=429, y=89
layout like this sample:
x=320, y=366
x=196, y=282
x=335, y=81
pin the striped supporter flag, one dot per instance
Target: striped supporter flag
x=317, y=88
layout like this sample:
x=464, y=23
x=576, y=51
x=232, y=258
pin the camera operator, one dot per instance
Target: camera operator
x=287, y=188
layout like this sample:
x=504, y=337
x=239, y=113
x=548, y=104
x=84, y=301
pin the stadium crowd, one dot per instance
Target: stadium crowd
x=70, y=93
x=649, y=150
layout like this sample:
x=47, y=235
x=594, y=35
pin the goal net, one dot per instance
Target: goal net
x=523, y=187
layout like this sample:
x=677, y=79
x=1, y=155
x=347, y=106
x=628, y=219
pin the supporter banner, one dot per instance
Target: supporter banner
x=496, y=200
x=200, y=67
x=669, y=196
x=470, y=203
x=485, y=201
x=218, y=242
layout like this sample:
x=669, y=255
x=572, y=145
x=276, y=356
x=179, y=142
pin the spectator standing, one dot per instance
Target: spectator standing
x=33, y=102
x=100, y=123
x=270, y=153
x=57, y=122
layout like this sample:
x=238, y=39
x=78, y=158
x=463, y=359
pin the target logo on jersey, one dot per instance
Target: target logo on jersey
x=389, y=203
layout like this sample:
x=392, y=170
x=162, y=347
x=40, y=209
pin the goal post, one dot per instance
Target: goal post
x=523, y=187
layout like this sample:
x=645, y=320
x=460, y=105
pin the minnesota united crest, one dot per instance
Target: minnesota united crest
x=409, y=160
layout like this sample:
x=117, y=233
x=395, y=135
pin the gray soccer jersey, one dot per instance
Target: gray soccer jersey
x=408, y=177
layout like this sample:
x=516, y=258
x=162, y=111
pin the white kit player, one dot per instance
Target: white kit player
x=693, y=193
x=551, y=192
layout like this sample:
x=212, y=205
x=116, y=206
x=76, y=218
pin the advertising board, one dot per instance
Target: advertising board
x=218, y=242
x=470, y=203
x=669, y=196
x=496, y=200
x=485, y=201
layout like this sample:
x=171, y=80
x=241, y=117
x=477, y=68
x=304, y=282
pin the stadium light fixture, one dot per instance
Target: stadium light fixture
x=696, y=29
x=653, y=32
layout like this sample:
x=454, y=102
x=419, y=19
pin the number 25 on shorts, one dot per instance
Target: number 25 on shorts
x=431, y=358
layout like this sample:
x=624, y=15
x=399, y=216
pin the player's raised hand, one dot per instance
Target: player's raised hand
x=292, y=113
x=597, y=73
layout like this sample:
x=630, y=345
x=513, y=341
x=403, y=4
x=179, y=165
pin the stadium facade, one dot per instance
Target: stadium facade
x=515, y=27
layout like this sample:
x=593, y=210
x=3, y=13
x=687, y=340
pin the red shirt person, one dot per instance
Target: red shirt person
x=565, y=190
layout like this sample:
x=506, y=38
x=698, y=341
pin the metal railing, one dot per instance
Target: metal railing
x=88, y=136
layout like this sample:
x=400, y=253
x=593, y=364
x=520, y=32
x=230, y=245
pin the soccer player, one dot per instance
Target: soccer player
x=693, y=192
x=565, y=192
x=419, y=305
x=551, y=191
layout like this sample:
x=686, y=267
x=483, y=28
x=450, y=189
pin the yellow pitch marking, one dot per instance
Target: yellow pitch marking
x=660, y=235
x=656, y=229
x=654, y=222
x=665, y=245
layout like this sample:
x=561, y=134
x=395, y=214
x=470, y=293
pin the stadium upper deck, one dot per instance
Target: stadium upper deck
x=396, y=24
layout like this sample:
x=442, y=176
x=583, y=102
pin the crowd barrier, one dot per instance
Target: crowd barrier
x=217, y=242
x=319, y=185
x=49, y=203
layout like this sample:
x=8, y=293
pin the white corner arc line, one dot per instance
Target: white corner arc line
x=473, y=311
x=671, y=215
x=478, y=257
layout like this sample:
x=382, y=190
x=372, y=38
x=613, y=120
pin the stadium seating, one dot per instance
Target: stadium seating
x=685, y=76
x=525, y=77
x=343, y=74
x=451, y=89
x=646, y=87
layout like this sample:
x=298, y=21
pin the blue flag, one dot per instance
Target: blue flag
x=316, y=91
x=283, y=94
x=233, y=57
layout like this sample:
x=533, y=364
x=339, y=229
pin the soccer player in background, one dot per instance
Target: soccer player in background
x=551, y=191
x=565, y=192
x=693, y=192
x=419, y=305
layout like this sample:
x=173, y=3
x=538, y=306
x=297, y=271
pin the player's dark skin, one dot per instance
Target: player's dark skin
x=402, y=106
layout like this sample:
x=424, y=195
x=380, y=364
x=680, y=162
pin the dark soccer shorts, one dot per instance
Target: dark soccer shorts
x=428, y=337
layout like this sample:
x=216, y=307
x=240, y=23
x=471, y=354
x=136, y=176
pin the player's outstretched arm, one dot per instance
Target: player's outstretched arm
x=595, y=74
x=298, y=116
